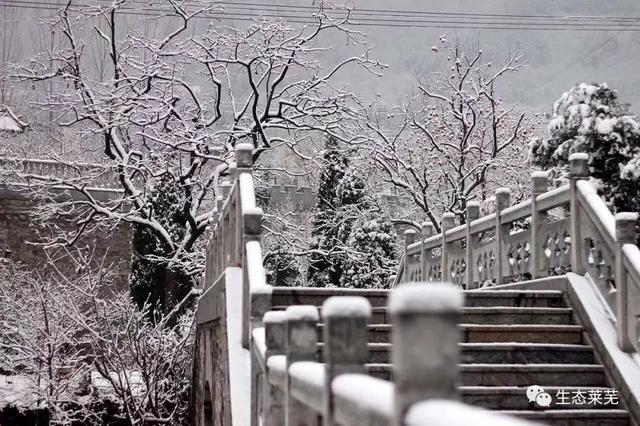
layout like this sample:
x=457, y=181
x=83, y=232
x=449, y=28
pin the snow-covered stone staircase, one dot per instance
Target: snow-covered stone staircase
x=510, y=340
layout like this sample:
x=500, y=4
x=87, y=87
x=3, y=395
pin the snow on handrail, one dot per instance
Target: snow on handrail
x=437, y=412
x=299, y=388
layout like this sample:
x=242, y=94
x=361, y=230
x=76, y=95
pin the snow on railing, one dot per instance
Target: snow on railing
x=536, y=239
x=235, y=240
x=298, y=389
x=55, y=172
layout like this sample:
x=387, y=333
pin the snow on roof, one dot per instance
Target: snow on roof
x=9, y=121
x=425, y=297
x=346, y=306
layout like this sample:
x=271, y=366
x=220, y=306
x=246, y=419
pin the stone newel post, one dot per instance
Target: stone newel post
x=301, y=344
x=426, y=230
x=625, y=234
x=345, y=342
x=448, y=222
x=275, y=338
x=538, y=186
x=578, y=170
x=473, y=213
x=503, y=200
x=425, y=339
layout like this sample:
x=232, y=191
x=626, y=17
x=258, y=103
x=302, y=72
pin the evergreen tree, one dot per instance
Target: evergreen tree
x=589, y=118
x=372, y=263
x=153, y=280
x=324, y=269
x=352, y=244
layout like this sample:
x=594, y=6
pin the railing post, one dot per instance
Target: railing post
x=301, y=344
x=345, y=342
x=503, y=200
x=252, y=220
x=275, y=336
x=578, y=170
x=426, y=232
x=409, y=238
x=448, y=222
x=472, y=213
x=625, y=234
x=538, y=186
x=425, y=348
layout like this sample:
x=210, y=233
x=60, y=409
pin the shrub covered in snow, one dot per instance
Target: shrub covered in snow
x=590, y=118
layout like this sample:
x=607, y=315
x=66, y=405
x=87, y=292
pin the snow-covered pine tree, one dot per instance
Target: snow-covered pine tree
x=152, y=280
x=590, y=118
x=372, y=261
x=324, y=265
x=352, y=244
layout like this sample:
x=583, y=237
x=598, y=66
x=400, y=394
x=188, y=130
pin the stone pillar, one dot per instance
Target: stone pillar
x=539, y=182
x=409, y=238
x=345, y=342
x=472, y=213
x=426, y=232
x=448, y=222
x=625, y=234
x=252, y=220
x=301, y=344
x=503, y=200
x=425, y=339
x=275, y=337
x=578, y=170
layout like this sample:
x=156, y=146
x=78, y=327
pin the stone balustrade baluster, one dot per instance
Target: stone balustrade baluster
x=578, y=170
x=345, y=342
x=472, y=213
x=448, y=222
x=409, y=238
x=275, y=339
x=425, y=344
x=426, y=231
x=301, y=344
x=539, y=185
x=503, y=200
x=625, y=234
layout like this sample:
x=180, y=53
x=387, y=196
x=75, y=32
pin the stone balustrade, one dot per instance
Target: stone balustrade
x=298, y=389
x=536, y=239
x=52, y=172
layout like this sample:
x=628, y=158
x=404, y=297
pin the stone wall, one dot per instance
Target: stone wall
x=18, y=229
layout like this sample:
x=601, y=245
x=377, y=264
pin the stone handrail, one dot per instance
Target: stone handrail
x=299, y=389
x=536, y=239
x=235, y=239
x=53, y=171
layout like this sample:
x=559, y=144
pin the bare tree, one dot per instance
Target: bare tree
x=457, y=140
x=78, y=347
x=176, y=105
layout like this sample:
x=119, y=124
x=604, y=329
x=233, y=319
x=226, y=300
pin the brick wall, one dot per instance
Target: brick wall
x=17, y=229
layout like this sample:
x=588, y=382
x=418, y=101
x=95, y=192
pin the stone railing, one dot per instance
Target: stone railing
x=536, y=239
x=287, y=383
x=297, y=389
x=52, y=172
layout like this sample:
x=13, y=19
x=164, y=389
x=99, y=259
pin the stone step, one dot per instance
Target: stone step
x=519, y=333
x=515, y=398
x=286, y=296
x=492, y=315
x=515, y=298
x=506, y=353
x=584, y=417
x=545, y=375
